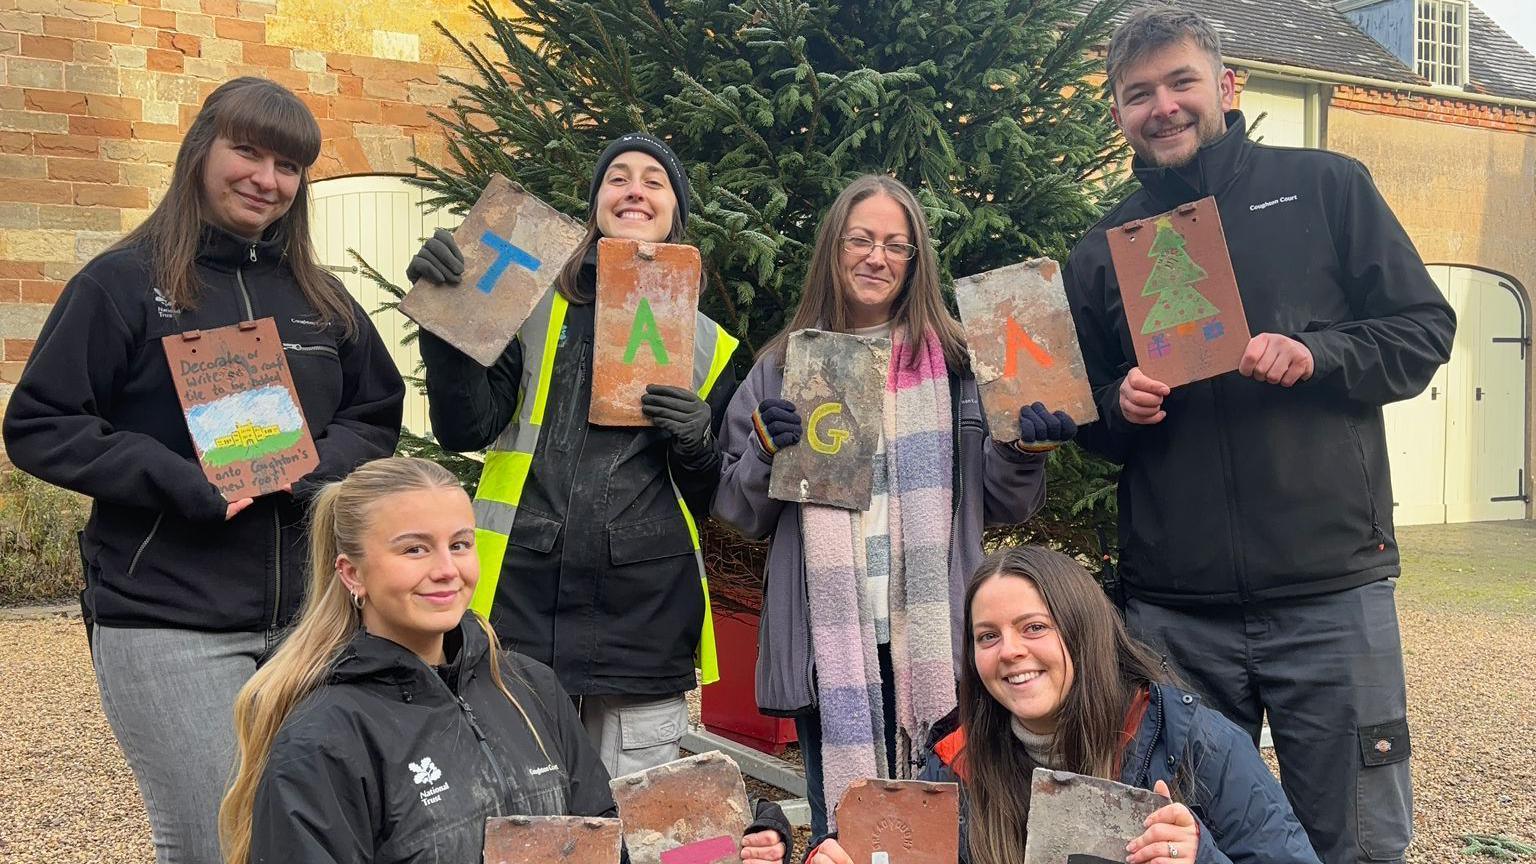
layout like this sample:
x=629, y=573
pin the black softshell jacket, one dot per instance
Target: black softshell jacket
x=96, y=411
x=392, y=761
x=599, y=581
x=1248, y=490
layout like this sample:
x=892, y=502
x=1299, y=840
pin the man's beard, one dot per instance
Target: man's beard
x=1208, y=130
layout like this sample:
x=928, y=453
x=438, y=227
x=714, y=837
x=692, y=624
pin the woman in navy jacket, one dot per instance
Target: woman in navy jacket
x=1052, y=680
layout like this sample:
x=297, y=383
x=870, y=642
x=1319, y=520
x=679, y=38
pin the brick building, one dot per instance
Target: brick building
x=1431, y=95
x=96, y=95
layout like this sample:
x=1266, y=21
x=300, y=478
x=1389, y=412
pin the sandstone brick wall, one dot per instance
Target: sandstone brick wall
x=95, y=97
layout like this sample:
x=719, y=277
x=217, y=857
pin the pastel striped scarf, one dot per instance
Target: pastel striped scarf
x=919, y=436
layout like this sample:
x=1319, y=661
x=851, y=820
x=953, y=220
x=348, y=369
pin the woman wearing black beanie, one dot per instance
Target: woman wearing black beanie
x=591, y=529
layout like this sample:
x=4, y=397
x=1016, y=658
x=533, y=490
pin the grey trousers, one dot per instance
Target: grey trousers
x=633, y=733
x=1328, y=670
x=169, y=696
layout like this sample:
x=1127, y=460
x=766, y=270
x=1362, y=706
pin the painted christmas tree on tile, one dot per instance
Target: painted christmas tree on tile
x=1183, y=311
x=1172, y=282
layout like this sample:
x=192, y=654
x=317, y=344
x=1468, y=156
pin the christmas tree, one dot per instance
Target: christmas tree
x=1172, y=282
x=989, y=109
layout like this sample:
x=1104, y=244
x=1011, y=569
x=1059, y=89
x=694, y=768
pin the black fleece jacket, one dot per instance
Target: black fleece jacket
x=96, y=412
x=1248, y=490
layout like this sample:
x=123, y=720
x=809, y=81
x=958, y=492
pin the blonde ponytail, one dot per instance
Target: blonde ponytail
x=338, y=520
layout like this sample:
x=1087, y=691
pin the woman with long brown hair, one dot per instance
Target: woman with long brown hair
x=859, y=635
x=185, y=589
x=1052, y=680
x=390, y=723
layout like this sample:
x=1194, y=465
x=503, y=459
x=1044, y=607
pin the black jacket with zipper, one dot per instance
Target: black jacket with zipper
x=393, y=761
x=96, y=411
x=599, y=580
x=1247, y=490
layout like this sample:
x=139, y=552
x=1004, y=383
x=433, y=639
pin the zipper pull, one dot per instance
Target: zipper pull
x=470, y=716
x=252, y=253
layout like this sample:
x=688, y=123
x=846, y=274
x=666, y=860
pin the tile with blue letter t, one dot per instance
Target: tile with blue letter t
x=514, y=245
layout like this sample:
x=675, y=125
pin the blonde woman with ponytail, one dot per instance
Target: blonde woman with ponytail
x=389, y=724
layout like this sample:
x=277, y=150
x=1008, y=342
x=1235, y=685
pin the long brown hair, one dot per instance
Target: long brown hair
x=1109, y=667
x=919, y=305
x=339, y=518
x=266, y=114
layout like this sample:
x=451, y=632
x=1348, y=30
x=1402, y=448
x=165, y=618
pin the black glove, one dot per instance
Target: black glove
x=682, y=415
x=1041, y=430
x=777, y=424
x=439, y=260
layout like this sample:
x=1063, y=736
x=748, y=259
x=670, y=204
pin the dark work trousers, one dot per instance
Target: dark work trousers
x=808, y=732
x=1328, y=670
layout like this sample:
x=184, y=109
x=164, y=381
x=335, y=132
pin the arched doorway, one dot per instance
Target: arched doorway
x=382, y=218
x=1458, y=450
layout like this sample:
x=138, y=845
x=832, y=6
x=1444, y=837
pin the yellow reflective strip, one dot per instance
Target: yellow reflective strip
x=693, y=530
x=707, y=661
x=725, y=346
x=490, y=548
x=547, y=361
x=503, y=476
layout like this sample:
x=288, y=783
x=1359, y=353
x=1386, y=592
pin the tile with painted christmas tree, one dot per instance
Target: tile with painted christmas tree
x=647, y=296
x=1179, y=293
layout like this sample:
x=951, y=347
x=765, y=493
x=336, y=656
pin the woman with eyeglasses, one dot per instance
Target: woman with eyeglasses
x=860, y=633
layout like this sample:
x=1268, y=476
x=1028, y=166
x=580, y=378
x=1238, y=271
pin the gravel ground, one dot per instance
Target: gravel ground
x=1468, y=612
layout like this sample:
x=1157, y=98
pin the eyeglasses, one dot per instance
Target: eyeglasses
x=864, y=245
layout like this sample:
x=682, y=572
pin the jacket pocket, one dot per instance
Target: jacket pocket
x=649, y=540
x=138, y=552
x=533, y=530
x=1383, y=798
x=316, y=372
x=1377, y=535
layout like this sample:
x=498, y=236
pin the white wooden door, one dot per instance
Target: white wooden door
x=1283, y=107
x=382, y=219
x=1497, y=400
x=1458, y=449
x=1416, y=445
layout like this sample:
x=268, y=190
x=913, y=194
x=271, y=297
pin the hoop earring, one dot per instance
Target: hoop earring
x=358, y=602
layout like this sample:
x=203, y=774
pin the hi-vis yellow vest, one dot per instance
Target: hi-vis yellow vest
x=510, y=459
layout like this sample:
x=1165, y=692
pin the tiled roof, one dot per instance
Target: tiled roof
x=1499, y=65
x=1312, y=34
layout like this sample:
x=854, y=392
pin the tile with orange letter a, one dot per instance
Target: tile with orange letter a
x=1023, y=344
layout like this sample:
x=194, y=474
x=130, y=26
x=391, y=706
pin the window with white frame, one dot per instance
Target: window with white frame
x=1440, y=41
